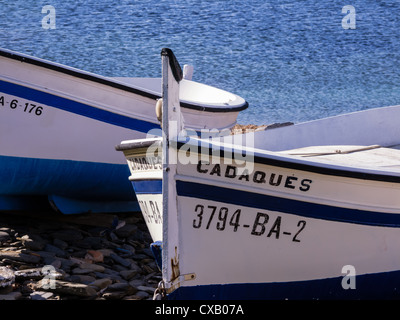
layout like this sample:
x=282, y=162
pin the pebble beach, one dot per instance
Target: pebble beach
x=50, y=256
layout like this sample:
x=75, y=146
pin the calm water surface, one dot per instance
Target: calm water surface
x=291, y=60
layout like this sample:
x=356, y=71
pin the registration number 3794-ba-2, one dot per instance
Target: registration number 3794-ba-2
x=222, y=218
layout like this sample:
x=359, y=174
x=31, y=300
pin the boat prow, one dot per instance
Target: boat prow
x=59, y=126
x=313, y=213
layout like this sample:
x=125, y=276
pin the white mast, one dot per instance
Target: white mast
x=171, y=126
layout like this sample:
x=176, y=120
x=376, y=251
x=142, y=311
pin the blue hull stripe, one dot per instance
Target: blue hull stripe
x=380, y=286
x=74, y=179
x=301, y=208
x=147, y=186
x=76, y=107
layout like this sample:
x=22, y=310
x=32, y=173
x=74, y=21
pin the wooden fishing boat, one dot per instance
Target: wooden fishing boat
x=308, y=211
x=51, y=114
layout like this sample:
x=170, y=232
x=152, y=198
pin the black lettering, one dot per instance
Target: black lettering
x=275, y=183
x=216, y=170
x=145, y=210
x=153, y=209
x=300, y=224
x=148, y=163
x=158, y=213
x=257, y=224
x=140, y=161
x=136, y=165
x=145, y=164
x=200, y=209
x=235, y=220
x=276, y=228
x=259, y=177
x=244, y=175
x=213, y=208
x=199, y=167
x=288, y=183
x=13, y=104
x=230, y=172
x=305, y=184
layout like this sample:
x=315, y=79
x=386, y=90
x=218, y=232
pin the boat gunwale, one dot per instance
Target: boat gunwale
x=138, y=144
x=271, y=158
x=109, y=82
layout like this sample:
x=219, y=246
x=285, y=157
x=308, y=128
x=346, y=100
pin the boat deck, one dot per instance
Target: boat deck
x=373, y=157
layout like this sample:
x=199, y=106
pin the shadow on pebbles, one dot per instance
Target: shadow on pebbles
x=91, y=256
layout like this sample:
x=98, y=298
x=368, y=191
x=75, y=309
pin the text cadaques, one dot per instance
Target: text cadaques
x=258, y=176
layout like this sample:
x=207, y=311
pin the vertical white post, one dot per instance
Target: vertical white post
x=171, y=126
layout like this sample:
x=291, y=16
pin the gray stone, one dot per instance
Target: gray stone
x=125, y=253
x=56, y=250
x=128, y=247
x=120, y=260
x=33, y=242
x=90, y=243
x=92, y=266
x=4, y=236
x=105, y=252
x=128, y=274
x=34, y=273
x=81, y=271
x=46, y=255
x=60, y=244
x=135, y=266
x=82, y=278
x=38, y=273
x=126, y=231
x=69, y=288
x=10, y=231
x=69, y=263
x=118, y=267
x=68, y=235
x=140, y=256
x=114, y=277
x=146, y=261
x=153, y=266
x=149, y=290
x=19, y=256
x=56, y=263
x=119, y=290
x=136, y=283
x=7, y=277
x=142, y=294
x=101, y=283
x=114, y=295
x=119, y=286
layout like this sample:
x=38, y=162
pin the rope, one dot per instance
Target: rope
x=315, y=154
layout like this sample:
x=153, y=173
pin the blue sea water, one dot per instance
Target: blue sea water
x=291, y=60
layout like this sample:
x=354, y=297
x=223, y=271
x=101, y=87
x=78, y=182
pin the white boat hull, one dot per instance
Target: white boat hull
x=321, y=221
x=50, y=116
x=289, y=229
x=285, y=238
x=51, y=154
